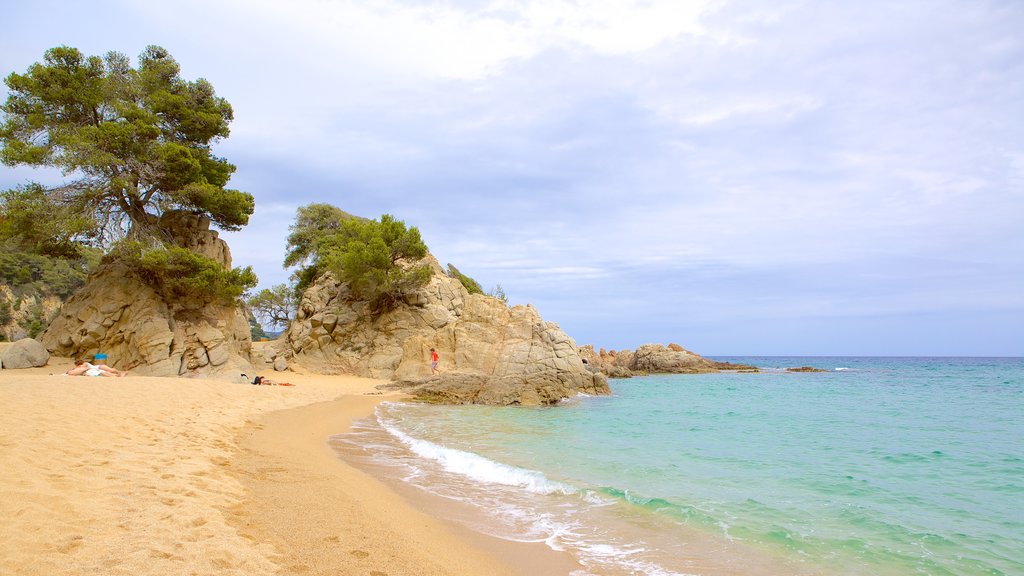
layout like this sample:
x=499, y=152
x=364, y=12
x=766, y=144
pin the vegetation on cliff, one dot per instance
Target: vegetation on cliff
x=471, y=286
x=28, y=277
x=379, y=259
x=184, y=277
x=133, y=144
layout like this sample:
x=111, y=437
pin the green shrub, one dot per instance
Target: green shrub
x=5, y=312
x=378, y=258
x=34, y=274
x=35, y=322
x=472, y=286
x=256, y=331
x=184, y=277
x=499, y=293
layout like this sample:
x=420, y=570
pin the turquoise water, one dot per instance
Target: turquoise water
x=877, y=466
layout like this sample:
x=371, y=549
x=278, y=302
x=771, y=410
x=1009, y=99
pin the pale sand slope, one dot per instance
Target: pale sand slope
x=141, y=476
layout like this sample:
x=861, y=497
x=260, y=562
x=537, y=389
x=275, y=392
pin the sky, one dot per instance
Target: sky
x=741, y=178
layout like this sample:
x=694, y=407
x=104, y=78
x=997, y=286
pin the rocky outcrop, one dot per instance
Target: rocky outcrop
x=655, y=359
x=18, y=314
x=25, y=353
x=805, y=369
x=119, y=315
x=670, y=359
x=613, y=363
x=490, y=353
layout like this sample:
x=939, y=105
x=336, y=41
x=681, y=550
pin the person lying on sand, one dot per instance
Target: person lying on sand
x=83, y=368
x=264, y=381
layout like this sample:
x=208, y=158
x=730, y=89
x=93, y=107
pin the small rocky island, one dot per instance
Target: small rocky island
x=655, y=359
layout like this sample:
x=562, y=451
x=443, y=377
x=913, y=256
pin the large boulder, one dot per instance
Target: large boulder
x=119, y=315
x=490, y=353
x=25, y=353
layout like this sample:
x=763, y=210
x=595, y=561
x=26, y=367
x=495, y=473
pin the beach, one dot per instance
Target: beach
x=166, y=476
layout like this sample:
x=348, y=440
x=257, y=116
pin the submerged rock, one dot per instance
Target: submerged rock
x=805, y=369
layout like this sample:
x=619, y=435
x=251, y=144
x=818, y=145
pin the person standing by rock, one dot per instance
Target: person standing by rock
x=434, y=360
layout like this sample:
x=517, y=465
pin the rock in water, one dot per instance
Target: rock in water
x=490, y=353
x=673, y=359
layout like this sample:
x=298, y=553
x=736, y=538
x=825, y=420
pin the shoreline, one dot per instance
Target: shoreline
x=169, y=476
x=383, y=530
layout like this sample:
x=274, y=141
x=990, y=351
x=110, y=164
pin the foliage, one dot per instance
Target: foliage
x=6, y=313
x=36, y=322
x=274, y=306
x=471, y=286
x=33, y=274
x=132, y=143
x=29, y=217
x=312, y=223
x=182, y=276
x=255, y=330
x=377, y=258
x=499, y=293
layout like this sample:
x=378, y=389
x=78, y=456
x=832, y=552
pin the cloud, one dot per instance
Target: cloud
x=633, y=168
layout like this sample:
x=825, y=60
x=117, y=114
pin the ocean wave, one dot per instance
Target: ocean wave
x=479, y=468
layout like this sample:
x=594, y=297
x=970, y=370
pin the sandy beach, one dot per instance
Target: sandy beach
x=171, y=476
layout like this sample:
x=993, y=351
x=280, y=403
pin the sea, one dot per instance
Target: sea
x=875, y=466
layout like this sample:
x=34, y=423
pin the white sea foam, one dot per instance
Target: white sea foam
x=517, y=514
x=623, y=557
x=479, y=468
x=841, y=369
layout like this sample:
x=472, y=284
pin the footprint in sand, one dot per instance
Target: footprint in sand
x=360, y=553
x=70, y=545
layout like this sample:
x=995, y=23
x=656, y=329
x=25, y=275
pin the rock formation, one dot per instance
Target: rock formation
x=490, y=353
x=122, y=317
x=655, y=359
x=17, y=313
x=25, y=353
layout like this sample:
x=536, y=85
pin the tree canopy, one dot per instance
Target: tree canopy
x=379, y=259
x=131, y=143
x=274, y=306
x=313, y=224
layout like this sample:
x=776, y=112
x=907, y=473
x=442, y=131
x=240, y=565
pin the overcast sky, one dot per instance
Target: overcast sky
x=737, y=177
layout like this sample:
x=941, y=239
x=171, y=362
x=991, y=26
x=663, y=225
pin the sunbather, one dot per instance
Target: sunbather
x=83, y=368
x=264, y=381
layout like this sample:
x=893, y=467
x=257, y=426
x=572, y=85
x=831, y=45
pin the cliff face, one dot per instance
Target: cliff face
x=490, y=353
x=17, y=313
x=120, y=316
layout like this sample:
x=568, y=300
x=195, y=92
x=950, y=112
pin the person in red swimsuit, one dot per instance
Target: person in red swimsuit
x=433, y=361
